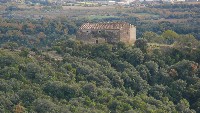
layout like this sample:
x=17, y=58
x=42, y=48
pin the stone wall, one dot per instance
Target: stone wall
x=99, y=36
x=132, y=34
x=125, y=35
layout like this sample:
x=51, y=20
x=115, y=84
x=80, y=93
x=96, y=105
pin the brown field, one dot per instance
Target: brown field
x=87, y=8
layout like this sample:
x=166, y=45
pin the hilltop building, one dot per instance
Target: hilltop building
x=111, y=32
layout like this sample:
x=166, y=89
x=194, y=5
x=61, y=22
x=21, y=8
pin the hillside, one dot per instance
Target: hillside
x=98, y=78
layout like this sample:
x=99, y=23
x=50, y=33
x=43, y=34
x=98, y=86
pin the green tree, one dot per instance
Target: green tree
x=90, y=90
x=153, y=70
x=170, y=36
x=45, y=106
x=143, y=72
x=158, y=91
x=32, y=70
x=27, y=96
x=149, y=36
x=142, y=44
x=10, y=45
x=183, y=106
x=133, y=56
x=177, y=90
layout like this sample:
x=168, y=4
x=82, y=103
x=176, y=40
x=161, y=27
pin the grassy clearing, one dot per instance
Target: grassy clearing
x=167, y=20
x=158, y=46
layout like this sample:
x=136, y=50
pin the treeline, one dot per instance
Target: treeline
x=34, y=33
x=161, y=27
x=174, y=6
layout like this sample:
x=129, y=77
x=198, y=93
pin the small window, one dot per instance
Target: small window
x=87, y=31
x=97, y=41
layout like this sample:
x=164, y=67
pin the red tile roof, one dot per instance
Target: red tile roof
x=108, y=25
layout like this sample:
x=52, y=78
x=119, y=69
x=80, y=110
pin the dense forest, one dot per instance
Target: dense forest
x=44, y=69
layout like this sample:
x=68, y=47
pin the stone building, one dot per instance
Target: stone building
x=111, y=32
